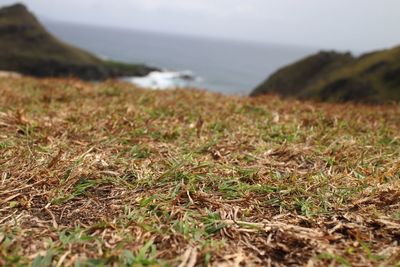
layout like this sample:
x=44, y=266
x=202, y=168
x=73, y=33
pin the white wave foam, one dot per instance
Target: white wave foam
x=160, y=80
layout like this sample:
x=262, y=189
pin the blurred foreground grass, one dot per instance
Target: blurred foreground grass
x=109, y=174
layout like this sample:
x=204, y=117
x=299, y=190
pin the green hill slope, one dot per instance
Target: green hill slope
x=27, y=47
x=330, y=76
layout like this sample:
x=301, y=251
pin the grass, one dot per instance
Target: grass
x=111, y=175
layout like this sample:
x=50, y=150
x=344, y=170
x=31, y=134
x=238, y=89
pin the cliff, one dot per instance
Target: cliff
x=26, y=47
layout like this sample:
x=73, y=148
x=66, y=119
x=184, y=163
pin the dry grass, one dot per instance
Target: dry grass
x=100, y=175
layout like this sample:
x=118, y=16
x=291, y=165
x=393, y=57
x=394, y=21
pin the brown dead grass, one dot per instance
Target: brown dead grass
x=109, y=174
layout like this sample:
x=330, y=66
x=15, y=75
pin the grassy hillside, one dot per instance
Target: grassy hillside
x=27, y=47
x=110, y=174
x=329, y=76
x=303, y=73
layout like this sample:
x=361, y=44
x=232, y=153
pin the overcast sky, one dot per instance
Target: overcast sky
x=340, y=24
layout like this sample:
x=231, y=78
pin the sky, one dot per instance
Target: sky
x=357, y=25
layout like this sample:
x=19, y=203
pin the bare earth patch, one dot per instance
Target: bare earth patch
x=112, y=175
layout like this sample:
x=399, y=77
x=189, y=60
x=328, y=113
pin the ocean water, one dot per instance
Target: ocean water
x=225, y=66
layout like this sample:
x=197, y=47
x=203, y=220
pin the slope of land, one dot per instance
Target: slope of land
x=330, y=76
x=27, y=47
x=103, y=174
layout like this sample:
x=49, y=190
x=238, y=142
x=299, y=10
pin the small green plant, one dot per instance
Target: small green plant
x=43, y=261
x=146, y=256
x=332, y=257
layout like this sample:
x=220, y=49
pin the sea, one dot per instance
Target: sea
x=219, y=65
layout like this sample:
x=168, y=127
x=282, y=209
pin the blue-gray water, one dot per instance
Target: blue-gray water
x=225, y=66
